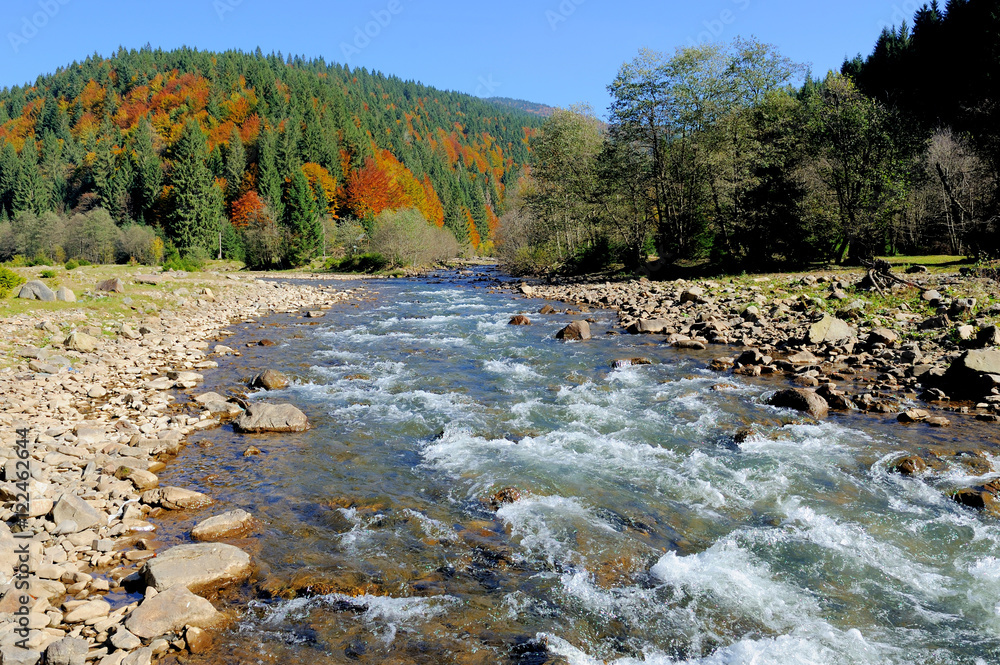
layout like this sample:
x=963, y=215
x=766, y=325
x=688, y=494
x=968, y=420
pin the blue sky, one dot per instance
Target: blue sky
x=557, y=52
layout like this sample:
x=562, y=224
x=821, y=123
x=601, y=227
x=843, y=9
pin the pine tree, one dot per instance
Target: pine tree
x=29, y=190
x=197, y=201
x=269, y=180
x=10, y=172
x=301, y=219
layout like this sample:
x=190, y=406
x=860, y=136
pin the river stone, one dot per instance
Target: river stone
x=578, y=330
x=971, y=375
x=113, y=285
x=648, y=326
x=11, y=655
x=882, y=336
x=547, y=309
x=169, y=611
x=519, y=320
x=82, y=342
x=989, y=336
x=233, y=523
x=175, y=498
x=71, y=508
x=801, y=399
x=36, y=290
x=930, y=296
x=830, y=330
x=695, y=294
x=910, y=466
x=65, y=294
x=67, y=651
x=125, y=639
x=128, y=332
x=272, y=418
x=95, y=609
x=197, y=566
x=143, y=656
x=269, y=379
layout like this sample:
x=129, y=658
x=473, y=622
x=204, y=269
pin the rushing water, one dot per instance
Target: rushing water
x=642, y=532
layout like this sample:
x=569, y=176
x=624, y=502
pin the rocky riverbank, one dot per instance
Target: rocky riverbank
x=923, y=352
x=93, y=384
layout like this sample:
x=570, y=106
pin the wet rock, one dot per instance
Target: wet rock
x=547, y=309
x=972, y=497
x=720, y=364
x=113, y=285
x=175, y=498
x=197, y=566
x=36, y=290
x=913, y=416
x=631, y=362
x=82, y=342
x=65, y=294
x=169, y=611
x=315, y=314
x=690, y=344
x=519, y=320
x=265, y=342
x=910, y=466
x=938, y=421
x=197, y=640
x=269, y=379
x=830, y=330
x=272, y=418
x=801, y=399
x=67, y=651
x=504, y=496
x=753, y=357
x=71, y=508
x=226, y=525
x=578, y=330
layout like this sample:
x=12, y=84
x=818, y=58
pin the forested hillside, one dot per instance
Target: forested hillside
x=736, y=157
x=262, y=149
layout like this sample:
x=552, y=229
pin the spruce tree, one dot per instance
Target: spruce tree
x=148, y=179
x=10, y=171
x=197, y=213
x=269, y=180
x=29, y=190
x=301, y=219
x=236, y=164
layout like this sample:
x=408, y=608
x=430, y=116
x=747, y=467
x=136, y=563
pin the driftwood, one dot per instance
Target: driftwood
x=880, y=276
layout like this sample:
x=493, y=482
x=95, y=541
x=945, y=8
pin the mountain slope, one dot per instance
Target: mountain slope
x=107, y=132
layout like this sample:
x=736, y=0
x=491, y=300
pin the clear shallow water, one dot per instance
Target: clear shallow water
x=641, y=532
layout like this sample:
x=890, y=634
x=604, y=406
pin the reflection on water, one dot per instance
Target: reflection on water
x=474, y=492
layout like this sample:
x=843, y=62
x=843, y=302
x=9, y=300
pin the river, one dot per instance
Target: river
x=474, y=492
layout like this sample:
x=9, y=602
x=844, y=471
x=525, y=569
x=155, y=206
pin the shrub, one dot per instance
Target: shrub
x=405, y=238
x=48, y=274
x=263, y=243
x=9, y=280
x=72, y=264
x=39, y=236
x=369, y=262
x=139, y=243
x=190, y=260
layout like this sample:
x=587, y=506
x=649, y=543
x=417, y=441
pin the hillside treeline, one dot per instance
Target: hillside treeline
x=736, y=156
x=261, y=157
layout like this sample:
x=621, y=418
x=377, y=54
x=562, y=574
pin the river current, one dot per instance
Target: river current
x=474, y=492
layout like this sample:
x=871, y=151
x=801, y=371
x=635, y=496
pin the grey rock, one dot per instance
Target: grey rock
x=197, y=566
x=67, y=651
x=168, y=612
x=125, y=639
x=36, y=290
x=830, y=330
x=930, y=296
x=272, y=418
x=989, y=336
x=143, y=656
x=72, y=508
x=82, y=342
x=11, y=655
x=970, y=376
x=175, y=498
x=648, y=326
x=65, y=294
x=113, y=285
x=882, y=336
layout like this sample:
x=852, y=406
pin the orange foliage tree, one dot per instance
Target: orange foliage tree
x=246, y=209
x=370, y=191
x=320, y=179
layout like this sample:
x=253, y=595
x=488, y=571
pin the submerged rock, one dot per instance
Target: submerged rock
x=233, y=523
x=520, y=320
x=803, y=400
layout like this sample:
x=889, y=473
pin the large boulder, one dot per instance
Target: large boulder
x=578, y=330
x=272, y=418
x=830, y=330
x=233, y=523
x=72, y=509
x=113, y=285
x=65, y=294
x=973, y=374
x=269, y=379
x=36, y=290
x=197, y=566
x=801, y=399
x=82, y=342
x=169, y=612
